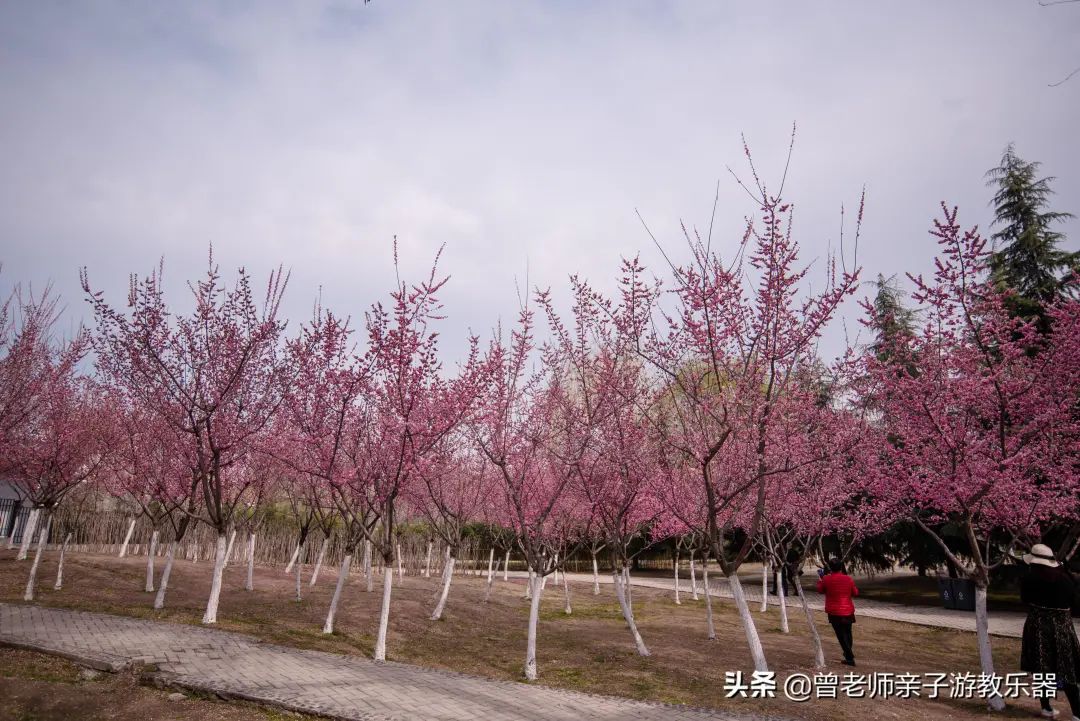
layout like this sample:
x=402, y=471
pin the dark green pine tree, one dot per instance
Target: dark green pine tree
x=1027, y=256
x=892, y=321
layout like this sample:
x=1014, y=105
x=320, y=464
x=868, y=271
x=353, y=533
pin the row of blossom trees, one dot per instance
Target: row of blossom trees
x=695, y=407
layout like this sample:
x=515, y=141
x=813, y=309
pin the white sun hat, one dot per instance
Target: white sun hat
x=1041, y=555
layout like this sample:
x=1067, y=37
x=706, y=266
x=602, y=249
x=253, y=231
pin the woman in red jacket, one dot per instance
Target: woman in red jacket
x=839, y=588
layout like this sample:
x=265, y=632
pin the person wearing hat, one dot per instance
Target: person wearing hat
x=1049, y=644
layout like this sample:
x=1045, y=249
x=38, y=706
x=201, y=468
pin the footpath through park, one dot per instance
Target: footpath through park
x=1002, y=623
x=348, y=687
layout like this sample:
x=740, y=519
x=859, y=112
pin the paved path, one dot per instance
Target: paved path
x=347, y=687
x=1005, y=623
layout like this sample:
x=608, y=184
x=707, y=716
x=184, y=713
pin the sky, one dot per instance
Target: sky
x=525, y=137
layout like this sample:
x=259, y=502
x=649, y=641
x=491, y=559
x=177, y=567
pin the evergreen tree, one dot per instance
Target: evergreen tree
x=1027, y=257
x=891, y=319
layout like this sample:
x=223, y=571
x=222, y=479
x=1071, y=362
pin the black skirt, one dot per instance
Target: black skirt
x=1050, y=644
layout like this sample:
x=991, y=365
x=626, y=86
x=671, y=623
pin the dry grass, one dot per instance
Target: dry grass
x=589, y=650
x=37, y=687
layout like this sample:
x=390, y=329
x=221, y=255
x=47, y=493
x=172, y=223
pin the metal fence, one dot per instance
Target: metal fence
x=13, y=515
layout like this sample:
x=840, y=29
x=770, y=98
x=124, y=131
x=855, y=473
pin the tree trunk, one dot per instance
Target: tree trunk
x=595, y=577
x=693, y=576
x=215, y=584
x=369, y=578
x=529, y=585
x=678, y=601
x=159, y=600
x=490, y=583
x=628, y=590
x=534, y=615
x=815, y=637
x=982, y=632
x=29, y=595
x=249, y=584
x=566, y=593
x=60, y=566
x=506, y=567
x=127, y=538
x=384, y=613
x=343, y=573
x=764, y=587
x=752, y=638
x=491, y=567
x=427, y=562
x=299, y=573
x=28, y=534
x=150, y=562
x=556, y=571
x=319, y=560
x=628, y=611
x=228, y=551
x=292, y=561
x=781, y=600
x=709, y=626
x=400, y=567
x=447, y=576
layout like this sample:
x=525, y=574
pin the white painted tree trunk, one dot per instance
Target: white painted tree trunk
x=491, y=566
x=781, y=600
x=150, y=562
x=556, y=572
x=628, y=611
x=28, y=534
x=159, y=600
x=343, y=573
x=427, y=562
x=215, y=583
x=384, y=613
x=249, y=584
x=536, y=591
x=506, y=567
x=319, y=560
x=628, y=589
x=678, y=601
x=529, y=585
x=764, y=587
x=595, y=577
x=566, y=594
x=127, y=538
x=815, y=637
x=752, y=638
x=299, y=574
x=693, y=576
x=369, y=578
x=228, y=551
x=447, y=576
x=400, y=567
x=292, y=561
x=490, y=583
x=982, y=633
x=29, y=595
x=709, y=626
x=60, y=566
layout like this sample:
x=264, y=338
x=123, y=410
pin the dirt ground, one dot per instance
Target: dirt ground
x=36, y=687
x=590, y=650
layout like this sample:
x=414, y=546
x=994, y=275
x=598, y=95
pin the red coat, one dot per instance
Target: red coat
x=839, y=588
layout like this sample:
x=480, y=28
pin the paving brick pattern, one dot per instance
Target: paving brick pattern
x=323, y=683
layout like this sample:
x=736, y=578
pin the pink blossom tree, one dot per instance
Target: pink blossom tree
x=973, y=423
x=215, y=377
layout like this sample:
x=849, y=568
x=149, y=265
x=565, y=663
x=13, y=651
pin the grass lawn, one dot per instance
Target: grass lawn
x=590, y=650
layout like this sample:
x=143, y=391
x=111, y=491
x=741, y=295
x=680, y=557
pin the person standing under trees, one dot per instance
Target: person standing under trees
x=1049, y=644
x=839, y=588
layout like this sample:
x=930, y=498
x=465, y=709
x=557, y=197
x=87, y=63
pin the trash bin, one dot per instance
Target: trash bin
x=963, y=594
x=945, y=589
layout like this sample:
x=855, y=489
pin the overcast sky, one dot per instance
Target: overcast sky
x=520, y=134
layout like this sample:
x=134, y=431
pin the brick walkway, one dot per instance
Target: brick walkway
x=339, y=686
